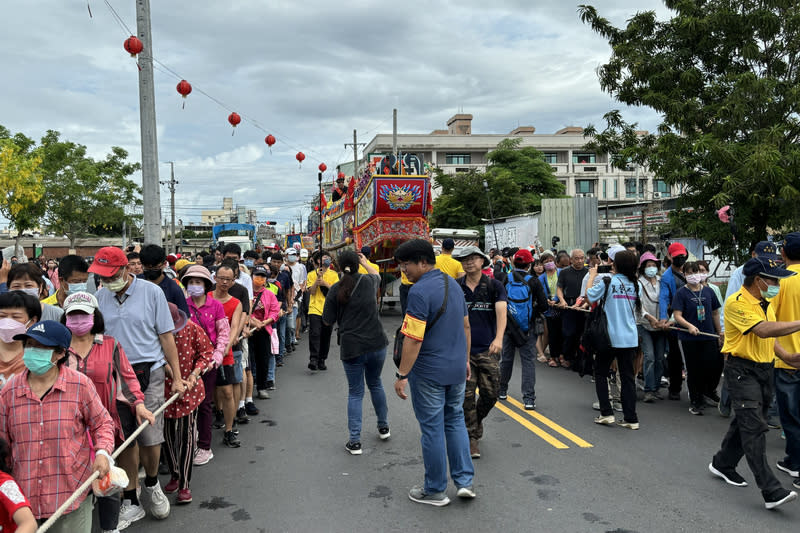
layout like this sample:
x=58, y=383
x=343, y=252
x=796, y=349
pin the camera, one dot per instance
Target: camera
x=604, y=269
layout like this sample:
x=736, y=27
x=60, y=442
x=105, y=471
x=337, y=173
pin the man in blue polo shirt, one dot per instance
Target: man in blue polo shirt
x=435, y=362
x=487, y=305
x=136, y=314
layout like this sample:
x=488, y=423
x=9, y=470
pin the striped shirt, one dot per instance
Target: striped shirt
x=48, y=437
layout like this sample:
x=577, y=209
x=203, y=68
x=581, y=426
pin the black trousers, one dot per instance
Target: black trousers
x=319, y=339
x=674, y=364
x=750, y=387
x=259, y=347
x=602, y=368
x=703, y=368
x=572, y=323
x=554, y=339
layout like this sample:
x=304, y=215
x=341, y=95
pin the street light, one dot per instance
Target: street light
x=491, y=213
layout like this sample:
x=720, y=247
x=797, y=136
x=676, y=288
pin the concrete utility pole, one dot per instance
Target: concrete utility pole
x=394, y=133
x=355, y=144
x=151, y=195
x=171, y=186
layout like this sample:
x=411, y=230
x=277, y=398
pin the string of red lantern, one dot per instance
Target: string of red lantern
x=133, y=45
x=270, y=140
x=184, y=88
x=234, y=119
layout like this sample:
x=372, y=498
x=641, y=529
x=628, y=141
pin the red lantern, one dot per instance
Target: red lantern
x=341, y=175
x=316, y=208
x=234, y=119
x=133, y=45
x=300, y=156
x=270, y=140
x=184, y=88
x=322, y=167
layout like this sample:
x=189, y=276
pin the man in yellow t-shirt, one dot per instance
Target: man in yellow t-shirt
x=787, y=379
x=750, y=328
x=366, y=251
x=445, y=261
x=319, y=281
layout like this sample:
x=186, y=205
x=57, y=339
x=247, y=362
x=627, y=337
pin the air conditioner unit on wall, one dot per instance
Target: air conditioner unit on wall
x=656, y=195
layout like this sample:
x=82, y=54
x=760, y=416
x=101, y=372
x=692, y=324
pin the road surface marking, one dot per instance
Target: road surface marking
x=535, y=429
x=552, y=425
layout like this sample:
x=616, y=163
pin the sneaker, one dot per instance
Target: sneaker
x=696, y=410
x=321, y=366
x=605, y=420
x=202, y=456
x=353, y=447
x=628, y=425
x=171, y=487
x=474, y=450
x=130, y=513
x=466, y=493
x=184, y=497
x=157, y=502
x=251, y=409
x=784, y=466
x=219, y=420
x=596, y=406
x=617, y=406
x=730, y=475
x=241, y=416
x=312, y=365
x=674, y=395
x=502, y=396
x=418, y=494
x=773, y=423
x=649, y=397
x=383, y=433
x=796, y=483
x=724, y=409
x=530, y=405
x=231, y=440
x=270, y=385
x=778, y=497
x=262, y=395
x=121, y=524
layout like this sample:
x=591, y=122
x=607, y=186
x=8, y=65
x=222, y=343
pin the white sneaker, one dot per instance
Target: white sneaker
x=157, y=502
x=122, y=524
x=129, y=513
x=202, y=456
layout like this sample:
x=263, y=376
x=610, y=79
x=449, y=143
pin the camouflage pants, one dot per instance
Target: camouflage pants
x=485, y=369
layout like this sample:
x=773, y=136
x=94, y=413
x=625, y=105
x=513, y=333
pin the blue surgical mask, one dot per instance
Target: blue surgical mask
x=651, y=272
x=72, y=288
x=249, y=263
x=38, y=360
x=326, y=262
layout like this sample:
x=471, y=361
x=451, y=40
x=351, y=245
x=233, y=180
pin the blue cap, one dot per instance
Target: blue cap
x=791, y=243
x=764, y=267
x=47, y=333
x=767, y=250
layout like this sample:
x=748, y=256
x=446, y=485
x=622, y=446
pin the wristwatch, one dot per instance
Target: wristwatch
x=398, y=375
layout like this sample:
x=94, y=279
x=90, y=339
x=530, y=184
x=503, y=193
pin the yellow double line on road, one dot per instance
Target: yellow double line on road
x=538, y=431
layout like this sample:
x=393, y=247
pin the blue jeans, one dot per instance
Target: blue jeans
x=440, y=412
x=366, y=367
x=282, y=337
x=527, y=355
x=654, y=345
x=787, y=391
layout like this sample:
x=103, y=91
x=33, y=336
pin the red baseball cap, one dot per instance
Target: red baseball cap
x=172, y=259
x=523, y=256
x=676, y=248
x=107, y=261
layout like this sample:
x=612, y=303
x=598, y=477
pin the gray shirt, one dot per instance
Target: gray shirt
x=51, y=312
x=138, y=320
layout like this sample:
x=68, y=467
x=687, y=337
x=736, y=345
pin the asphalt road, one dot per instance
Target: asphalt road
x=552, y=471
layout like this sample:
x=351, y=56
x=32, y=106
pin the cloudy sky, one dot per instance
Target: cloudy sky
x=308, y=72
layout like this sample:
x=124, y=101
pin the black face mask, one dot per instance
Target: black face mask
x=679, y=261
x=152, y=274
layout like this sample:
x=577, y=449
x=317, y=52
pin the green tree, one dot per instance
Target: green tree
x=21, y=182
x=83, y=195
x=518, y=179
x=724, y=76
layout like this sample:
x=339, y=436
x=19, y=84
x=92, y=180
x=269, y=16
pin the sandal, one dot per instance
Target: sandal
x=564, y=362
x=552, y=363
x=541, y=358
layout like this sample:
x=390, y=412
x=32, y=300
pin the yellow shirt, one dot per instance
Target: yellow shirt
x=316, y=301
x=51, y=300
x=362, y=270
x=743, y=312
x=448, y=265
x=404, y=279
x=787, y=309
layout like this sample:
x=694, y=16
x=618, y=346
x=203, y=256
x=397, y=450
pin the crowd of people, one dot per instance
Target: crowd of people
x=184, y=346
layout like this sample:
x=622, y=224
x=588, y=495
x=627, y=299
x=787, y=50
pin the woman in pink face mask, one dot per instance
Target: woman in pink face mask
x=18, y=311
x=93, y=353
x=552, y=335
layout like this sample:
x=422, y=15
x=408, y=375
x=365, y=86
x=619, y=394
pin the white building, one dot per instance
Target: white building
x=582, y=172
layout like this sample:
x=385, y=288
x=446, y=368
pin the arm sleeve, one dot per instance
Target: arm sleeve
x=11, y=498
x=715, y=303
x=679, y=302
x=595, y=292
x=129, y=384
x=741, y=317
x=100, y=424
x=538, y=294
x=271, y=307
x=415, y=321
x=163, y=318
x=203, y=349
x=663, y=298
x=330, y=312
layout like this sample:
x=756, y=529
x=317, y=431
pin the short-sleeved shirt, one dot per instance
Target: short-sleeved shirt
x=443, y=354
x=137, y=322
x=360, y=326
x=787, y=309
x=482, y=317
x=316, y=302
x=230, y=308
x=743, y=312
x=52, y=312
x=11, y=501
x=570, y=281
x=172, y=292
x=362, y=270
x=448, y=265
x=687, y=302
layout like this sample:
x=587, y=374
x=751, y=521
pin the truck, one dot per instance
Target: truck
x=245, y=237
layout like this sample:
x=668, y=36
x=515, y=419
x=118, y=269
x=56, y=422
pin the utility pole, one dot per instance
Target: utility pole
x=491, y=213
x=355, y=144
x=151, y=195
x=394, y=134
x=171, y=186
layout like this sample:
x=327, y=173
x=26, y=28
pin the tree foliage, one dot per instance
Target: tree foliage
x=724, y=75
x=517, y=178
x=21, y=182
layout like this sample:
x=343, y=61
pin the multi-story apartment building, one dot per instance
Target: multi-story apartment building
x=583, y=173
